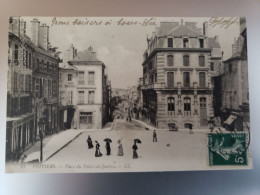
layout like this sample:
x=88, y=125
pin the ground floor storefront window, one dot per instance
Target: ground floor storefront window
x=86, y=120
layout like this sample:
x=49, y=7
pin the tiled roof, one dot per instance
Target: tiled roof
x=236, y=55
x=183, y=30
x=213, y=43
x=86, y=55
x=67, y=67
x=165, y=27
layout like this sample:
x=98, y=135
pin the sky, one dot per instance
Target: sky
x=121, y=46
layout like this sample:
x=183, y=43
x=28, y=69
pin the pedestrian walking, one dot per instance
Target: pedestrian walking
x=89, y=141
x=190, y=127
x=108, y=148
x=154, y=136
x=135, y=148
x=120, y=148
x=97, y=153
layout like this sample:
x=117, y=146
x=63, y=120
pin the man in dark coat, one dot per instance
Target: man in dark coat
x=154, y=136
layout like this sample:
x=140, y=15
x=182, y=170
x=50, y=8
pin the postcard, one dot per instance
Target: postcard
x=127, y=94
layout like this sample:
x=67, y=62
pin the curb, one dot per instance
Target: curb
x=63, y=146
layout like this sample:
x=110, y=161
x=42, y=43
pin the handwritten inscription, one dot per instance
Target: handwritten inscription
x=97, y=22
x=223, y=22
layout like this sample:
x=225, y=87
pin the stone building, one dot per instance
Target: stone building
x=91, y=91
x=235, y=90
x=68, y=80
x=20, y=117
x=45, y=79
x=177, y=86
x=32, y=86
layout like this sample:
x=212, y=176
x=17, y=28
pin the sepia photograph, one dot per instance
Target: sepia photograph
x=127, y=94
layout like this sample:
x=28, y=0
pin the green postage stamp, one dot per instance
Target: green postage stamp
x=227, y=149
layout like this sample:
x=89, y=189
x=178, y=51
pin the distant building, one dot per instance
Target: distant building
x=91, y=91
x=177, y=85
x=123, y=93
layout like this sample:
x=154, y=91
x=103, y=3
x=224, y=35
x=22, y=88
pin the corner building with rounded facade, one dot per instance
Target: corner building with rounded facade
x=177, y=76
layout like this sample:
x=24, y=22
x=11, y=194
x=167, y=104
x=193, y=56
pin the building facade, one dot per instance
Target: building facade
x=32, y=86
x=177, y=87
x=235, y=90
x=45, y=80
x=67, y=90
x=20, y=117
x=91, y=91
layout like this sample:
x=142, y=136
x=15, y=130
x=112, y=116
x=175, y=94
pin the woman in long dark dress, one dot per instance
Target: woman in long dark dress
x=89, y=140
x=108, y=148
x=135, y=155
x=97, y=153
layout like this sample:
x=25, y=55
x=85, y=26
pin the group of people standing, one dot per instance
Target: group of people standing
x=120, y=146
x=108, y=148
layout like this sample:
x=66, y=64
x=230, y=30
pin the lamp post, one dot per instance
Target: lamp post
x=41, y=124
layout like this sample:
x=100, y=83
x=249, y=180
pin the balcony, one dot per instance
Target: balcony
x=153, y=86
x=178, y=86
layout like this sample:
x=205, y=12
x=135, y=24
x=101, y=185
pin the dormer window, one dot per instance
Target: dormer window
x=201, y=41
x=170, y=42
x=185, y=42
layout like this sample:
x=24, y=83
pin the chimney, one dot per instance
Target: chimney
x=205, y=29
x=237, y=46
x=22, y=28
x=44, y=36
x=35, y=31
x=71, y=53
x=15, y=26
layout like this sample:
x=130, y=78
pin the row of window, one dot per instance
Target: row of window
x=81, y=78
x=22, y=82
x=19, y=106
x=186, y=105
x=45, y=88
x=185, y=42
x=27, y=60
x=186, y=62
x=81, y=97
x=186, y=79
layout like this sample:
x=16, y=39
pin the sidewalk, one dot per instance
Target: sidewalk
x=207, y=130
x=54, y=143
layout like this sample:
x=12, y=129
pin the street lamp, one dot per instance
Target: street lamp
x=41, y=124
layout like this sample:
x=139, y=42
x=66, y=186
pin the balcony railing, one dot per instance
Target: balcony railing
x=175, y=86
